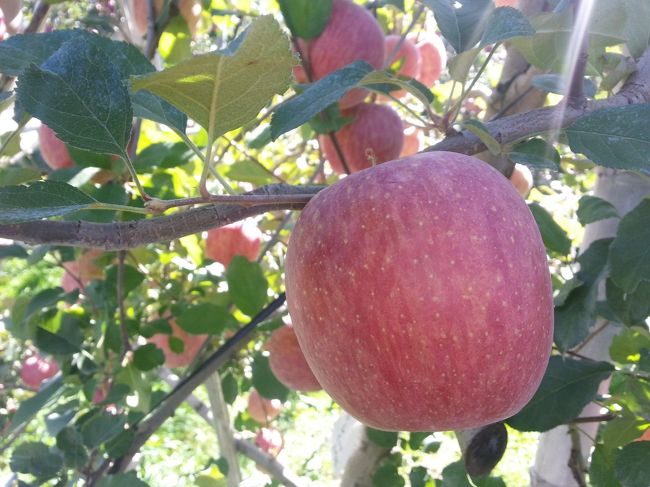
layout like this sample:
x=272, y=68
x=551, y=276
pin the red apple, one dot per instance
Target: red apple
x=189, y=9
x=262, y=409
x=240, y=238
x=645, y=436
x=54, y=151
x=375, y=136
x=12, y=13
x=522, y=179
x=412, y=141
x=36, y=369
x=433, y=56
x=269, y=440
x=288, y=362
x=82, y=271
x=506, y=3
x=298, y=70
x=406, y=55
x=192, y=345
x=352, y=34
x=420, y=294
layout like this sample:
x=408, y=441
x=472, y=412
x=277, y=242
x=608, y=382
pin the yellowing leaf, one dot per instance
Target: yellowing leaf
x=226, y=89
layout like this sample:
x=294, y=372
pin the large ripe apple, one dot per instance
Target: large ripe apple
x=82, y=271
x=191, y=345
x=288, y=362
x=433, y=55
x=420, y=294
x=374, y=136
x=54, y=151
x=522, y=179
x=36, y=369
x=352, y=34
x=240, y=238
x=262, y=409
x=404, y=53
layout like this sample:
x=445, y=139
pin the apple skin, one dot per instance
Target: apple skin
x=269, y=440
x=352, y=34
x=506, y=3
x=189, y=9
x=262, y=409
x=85, y=269
x=409, y=56
x=288, y=362
x=433, y=56
x=36, y=369
x=420, y=294
x=239, y=238
x=192, y=345
x=645, y=436
x=54, y=151
x=376, y=130
x=522, y=179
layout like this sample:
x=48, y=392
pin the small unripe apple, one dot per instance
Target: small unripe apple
x=352, y=34
x=36, y=369
x=506, y=3
x=269, y=440
x=420, y=294
x=54, y=151
x=407, y=55
x=190, y=10
x=288, y=362
x=433, y=55
x=522, y=179
x=240, y=238
x=412, y=141
x=375, y=136
x=82, y=271
x=191, y=345
x=262, y=409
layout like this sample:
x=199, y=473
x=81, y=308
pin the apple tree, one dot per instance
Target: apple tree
x=452, y=194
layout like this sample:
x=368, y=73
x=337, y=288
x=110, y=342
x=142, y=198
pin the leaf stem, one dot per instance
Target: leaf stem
x=111, y=207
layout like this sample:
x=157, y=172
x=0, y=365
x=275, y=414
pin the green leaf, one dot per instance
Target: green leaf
x=461, y=63
x=101, y=428
x=567, y=387
x=230, y=388
x=250, y=172
x=614, y=137
x=37, y=459
x=629, y=258
x=305, y=18
x=385, y=439
x=119, y=446
x=247, y=285
x=28, y=408
x=385, y=82
x=69, y=441
x=12, y=175
x=224, y=90
x=13, y=251
x=554, y=237
x=41, y=199
x=632, y=468
x=627, y=346
x=204, y=318
x=575, y=317
x=419, y=477
x=163, y=154
x=78, y=92
x=317, y=97
x=482, y=132
x=537, y=154
x=265, y=382
x=122, y=480
x=633, y=308
x=67, y=339
x=623, y=430
x=461, y=22
x=148, y=357
x=387, y=476
x=593, y=260
x=132, y=279
x=556, y=83
x=601, y=469
x=504, y=24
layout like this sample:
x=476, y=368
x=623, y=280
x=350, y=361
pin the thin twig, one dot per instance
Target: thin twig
x=595, y=419
x=126, y=344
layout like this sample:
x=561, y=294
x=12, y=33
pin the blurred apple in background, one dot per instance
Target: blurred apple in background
x=36, y=369
x=269, y=440
x=262, y=409
x=241, y=238
x=80, y=272
x=288, y=362
x=54, y=151
x=191, y=345
x=522, y=179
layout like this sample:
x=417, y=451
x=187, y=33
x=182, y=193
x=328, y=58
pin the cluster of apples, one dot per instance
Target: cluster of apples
x=376, y=133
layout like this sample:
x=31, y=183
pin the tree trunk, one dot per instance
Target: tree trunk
x=624, y=190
